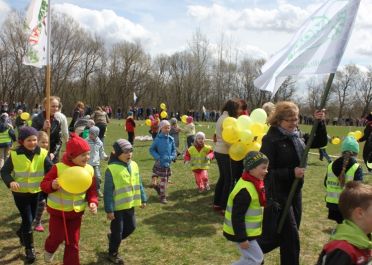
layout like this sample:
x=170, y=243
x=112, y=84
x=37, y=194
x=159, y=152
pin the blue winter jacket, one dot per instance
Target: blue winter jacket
x=163, y=149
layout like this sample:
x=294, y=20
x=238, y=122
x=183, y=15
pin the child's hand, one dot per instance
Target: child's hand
x=106, y=158
x=93, y=208
x=51, y=155
x=110, y=216
x=14, y=186
x=46, y=125
x=55, y=184
x=244, y=245
x=143, y=205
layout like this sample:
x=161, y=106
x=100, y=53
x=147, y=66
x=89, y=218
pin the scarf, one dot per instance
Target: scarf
x=351, y=233
x=258, y=184
x=296, y=140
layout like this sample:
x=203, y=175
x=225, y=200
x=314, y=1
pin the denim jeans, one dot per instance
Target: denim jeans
x=121, y=227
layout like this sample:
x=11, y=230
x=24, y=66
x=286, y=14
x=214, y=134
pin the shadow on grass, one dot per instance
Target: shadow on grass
x=9, y=218
x=186, y=218
x=101, y=259
x=5, y=252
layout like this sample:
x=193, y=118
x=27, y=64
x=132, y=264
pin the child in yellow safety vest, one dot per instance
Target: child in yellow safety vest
x=244, y=210
x=122, y=192
x=200, y=155
x=342, y=170
x=66, y=209
x=7, y=137
x=23, y=172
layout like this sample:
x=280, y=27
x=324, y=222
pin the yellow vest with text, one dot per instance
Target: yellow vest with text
x=28, y=174
x=127, y=193
x=4, y=137
x=254, y=214
x=65, y=201
x=198, y=158
x=333, y=185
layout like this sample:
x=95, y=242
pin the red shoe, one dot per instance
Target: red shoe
x=39, y=228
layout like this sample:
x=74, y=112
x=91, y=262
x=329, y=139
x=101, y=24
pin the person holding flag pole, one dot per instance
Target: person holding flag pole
x=316, y=48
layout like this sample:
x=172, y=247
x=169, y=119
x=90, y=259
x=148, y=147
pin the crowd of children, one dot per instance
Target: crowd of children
x=34, y=181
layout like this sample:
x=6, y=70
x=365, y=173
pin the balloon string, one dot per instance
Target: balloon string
x=64, y=222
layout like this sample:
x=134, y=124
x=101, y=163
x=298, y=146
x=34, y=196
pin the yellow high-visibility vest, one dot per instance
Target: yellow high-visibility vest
x=198, y=158
x=254, y=214
x=127, y=193
x=333, y=185
x=28, y=174
x=65, y=201
x=4, y=137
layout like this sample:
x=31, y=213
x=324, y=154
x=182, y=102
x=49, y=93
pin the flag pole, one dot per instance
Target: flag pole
x=48, y=68
x=305, y=154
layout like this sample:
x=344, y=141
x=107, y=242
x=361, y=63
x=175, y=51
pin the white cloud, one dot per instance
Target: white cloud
x=105, y=23
x=4, y=10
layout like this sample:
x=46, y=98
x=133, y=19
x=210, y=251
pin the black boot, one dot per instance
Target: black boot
x=29, y=247
x=19, y=234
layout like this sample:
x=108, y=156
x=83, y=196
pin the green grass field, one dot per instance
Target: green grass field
x=185, y=231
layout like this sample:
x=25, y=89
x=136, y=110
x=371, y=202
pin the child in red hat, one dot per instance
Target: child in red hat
x=66, y=209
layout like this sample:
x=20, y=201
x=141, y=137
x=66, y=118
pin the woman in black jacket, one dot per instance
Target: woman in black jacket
x=367, y=137
x=40, y=123
x=284, y=146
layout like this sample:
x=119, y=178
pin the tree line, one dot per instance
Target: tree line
x=84, y=67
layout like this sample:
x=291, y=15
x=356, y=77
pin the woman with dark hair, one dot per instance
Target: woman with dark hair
x=367, y=137
x=40, y=123
x=229, y=169
x=78, y=113
x=101, y=120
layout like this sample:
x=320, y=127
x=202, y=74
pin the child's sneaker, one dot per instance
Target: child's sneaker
x=115, y=258
x=207, y=187
x=163, y=201
x=39, y=228
x=48, y=257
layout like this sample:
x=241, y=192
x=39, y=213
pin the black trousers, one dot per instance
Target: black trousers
x=27, y=205
x=288, y=240
x=230, y=171
x=102, y=131
x=121, y=227
x=131, y=137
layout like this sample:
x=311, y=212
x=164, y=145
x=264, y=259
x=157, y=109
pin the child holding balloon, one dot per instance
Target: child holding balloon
x=67, y=199
x=164, y=151
x=200, y=156
x=339, y=172
x=123, y=192
x=22, y=173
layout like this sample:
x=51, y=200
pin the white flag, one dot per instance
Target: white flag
x=134, y=97
x=36, y=26
x=204, y=109
x=317, y=47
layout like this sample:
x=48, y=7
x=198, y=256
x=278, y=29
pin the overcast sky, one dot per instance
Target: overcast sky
x=255, y=27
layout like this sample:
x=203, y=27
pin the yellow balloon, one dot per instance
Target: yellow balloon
x=148, y=122
x=352, y=134
x=184, y=118
x=257, y=128
x=266, y=128
x=358, y=135
x=163, y=114
x=256, y=146
x=259, y=137
x=335, y=140
x=245, y=136
x=230, y=134
x=244, y=122
x=259, y=115
x=238, y=151
x=229, y=121
x=76, y=179
x=25, y=116
x=163, y=106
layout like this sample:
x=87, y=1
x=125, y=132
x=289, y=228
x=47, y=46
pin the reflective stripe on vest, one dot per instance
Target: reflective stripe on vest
x=333, y=185
x=198, y=158
x=65, y=201
x=28, y=174
x=127, y=193
x=4, y=137
x=254, y=214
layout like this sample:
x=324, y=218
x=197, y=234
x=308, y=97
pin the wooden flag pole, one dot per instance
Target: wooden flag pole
x=48, y=69
x=305, y=154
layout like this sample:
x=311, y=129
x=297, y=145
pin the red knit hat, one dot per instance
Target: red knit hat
x=76, y=146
